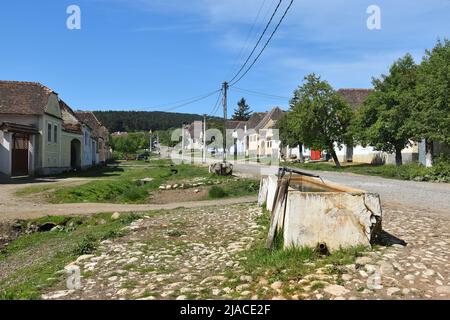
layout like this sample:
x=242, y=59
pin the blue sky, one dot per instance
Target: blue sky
x=141, y=54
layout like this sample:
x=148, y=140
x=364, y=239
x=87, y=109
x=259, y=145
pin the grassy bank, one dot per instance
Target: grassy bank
x=33, y=262
x=412, y=171
x=121, y=184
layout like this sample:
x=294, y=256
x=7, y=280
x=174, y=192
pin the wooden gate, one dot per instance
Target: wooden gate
x=20, y=154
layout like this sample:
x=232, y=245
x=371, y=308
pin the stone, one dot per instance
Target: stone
x=242, y=287
x=361, y=261
x=428, y=272
x=196, y=191
x=409, y=277
x=346, y=277
x=246, y=278
x=84, y=257
x=386, y=268
x=276, y=285
x=419, y=265
x=182, y=297
x=336, y=290
x=147, y=298
x=263, y=282
x=215, y=291
x=57, y=294
x=392, y=291
x=115, y=216
x=443, y=289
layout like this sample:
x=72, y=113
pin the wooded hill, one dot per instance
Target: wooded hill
x=143, y=120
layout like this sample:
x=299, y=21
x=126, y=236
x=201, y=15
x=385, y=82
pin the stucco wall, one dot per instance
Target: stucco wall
x=87, y=148
x=66, y=148
x=5, y=154
x=51, y=150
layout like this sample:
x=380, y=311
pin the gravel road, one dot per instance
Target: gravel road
x=409, y=194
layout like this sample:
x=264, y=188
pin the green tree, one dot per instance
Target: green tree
x=242, y=112
x=288, y=133
x=128, y=144
x=384, y=120
x=431, y=118
x=319, y=116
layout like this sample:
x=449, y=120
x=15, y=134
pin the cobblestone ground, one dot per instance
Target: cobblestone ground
x=193, y=254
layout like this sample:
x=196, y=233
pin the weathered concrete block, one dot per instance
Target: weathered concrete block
x=267, y=191
x=335, y=219
x=315, y=212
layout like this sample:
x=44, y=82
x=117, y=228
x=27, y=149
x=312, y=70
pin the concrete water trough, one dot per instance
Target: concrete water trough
x=308, y=211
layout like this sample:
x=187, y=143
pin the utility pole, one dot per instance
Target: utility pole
x=182, y=143
x=204, y=139
x=150, y=149
x=225, y=95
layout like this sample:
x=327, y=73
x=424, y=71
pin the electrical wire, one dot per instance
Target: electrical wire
x=175, y=103
x=216, y=106
x=265, y=46
x=268, y=95
x=200, y=98
x=245, y=46
x=258, y=42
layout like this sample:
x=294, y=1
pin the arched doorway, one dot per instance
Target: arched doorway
x=75, y=154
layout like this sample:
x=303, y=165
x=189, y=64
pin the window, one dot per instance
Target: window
x=49, y=132
x=55, y=133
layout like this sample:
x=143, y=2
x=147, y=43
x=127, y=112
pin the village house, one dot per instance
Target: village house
x=367, y=154
x=39, y=133
x=358, y=153
x=99, y=142
x=256, y=137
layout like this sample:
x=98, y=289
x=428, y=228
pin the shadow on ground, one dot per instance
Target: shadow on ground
x=386, y=239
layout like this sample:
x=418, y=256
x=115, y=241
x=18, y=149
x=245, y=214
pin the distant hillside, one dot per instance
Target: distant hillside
x=143, y=120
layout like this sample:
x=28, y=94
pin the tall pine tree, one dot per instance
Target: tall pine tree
x=242, y=112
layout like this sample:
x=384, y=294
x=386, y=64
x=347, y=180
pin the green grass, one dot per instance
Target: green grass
x=290, y=264
x=121, y=185
x=30, y=264
x=234, y=188
x=412, y=171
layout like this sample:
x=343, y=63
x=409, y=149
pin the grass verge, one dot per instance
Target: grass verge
x=121, y=185
x=440, y=172
x=31, y=263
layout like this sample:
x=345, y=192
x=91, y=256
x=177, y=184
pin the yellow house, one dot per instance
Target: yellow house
x=39, y=133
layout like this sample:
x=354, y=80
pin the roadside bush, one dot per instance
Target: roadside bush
x=134, y=194
x=217, y=192
x=86, y=246
x=440, y=172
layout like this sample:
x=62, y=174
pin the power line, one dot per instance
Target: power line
x=258, y=42
x=268, y=95
x=265, y=46
x=181, y=101
x=216, y=106
x=192, y=101
x=244, y=47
